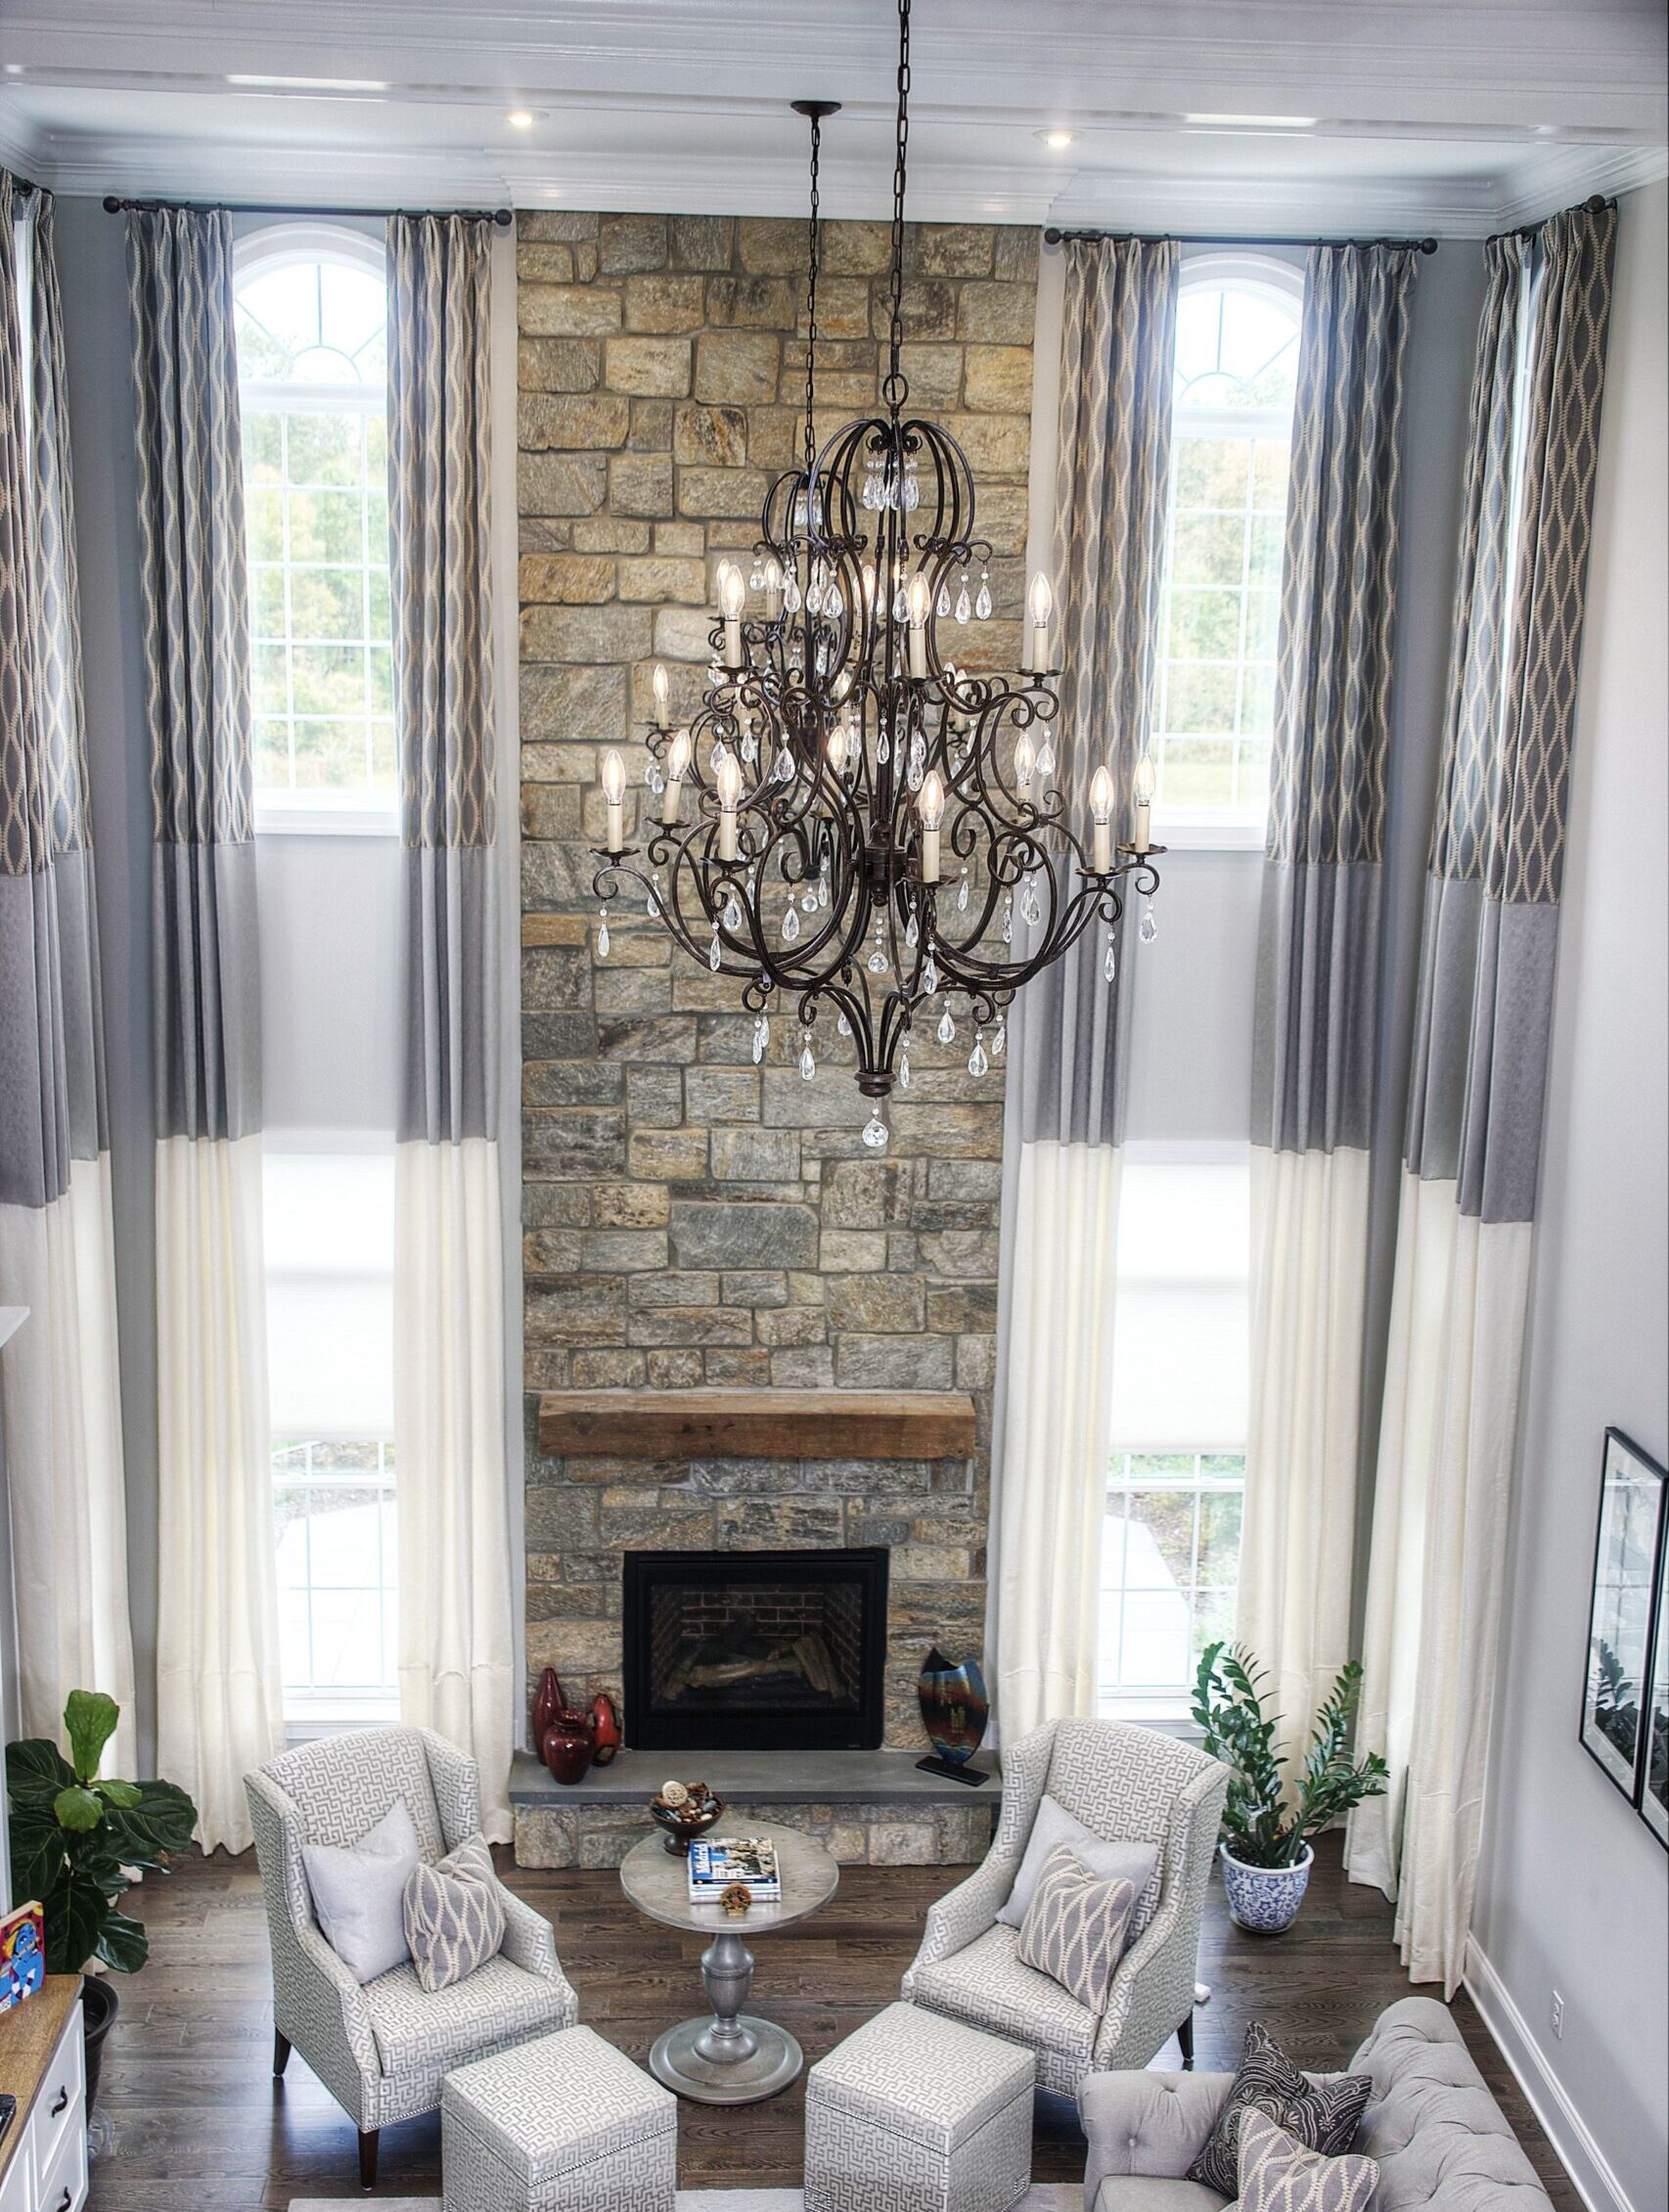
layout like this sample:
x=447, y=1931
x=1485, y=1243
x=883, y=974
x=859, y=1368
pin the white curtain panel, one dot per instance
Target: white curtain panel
x=219, y=1697
x=58, y=1375
x=1316, y=1024
x=219, y=1694
x=456, y=1656
x=449, y=1458
x=1057, y=1432
x=1448, y=1430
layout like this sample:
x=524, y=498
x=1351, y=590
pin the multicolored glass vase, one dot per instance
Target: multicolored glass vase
x=954, y=1709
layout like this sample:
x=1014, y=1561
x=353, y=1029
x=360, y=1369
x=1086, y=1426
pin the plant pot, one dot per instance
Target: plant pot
x=1264, y=1900
x=99, y=2003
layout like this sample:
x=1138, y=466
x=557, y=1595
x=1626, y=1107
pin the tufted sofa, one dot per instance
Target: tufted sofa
x=1438, y=2135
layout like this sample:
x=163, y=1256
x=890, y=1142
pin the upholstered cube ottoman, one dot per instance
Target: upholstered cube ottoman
x=562, y=2122
x=919, y=2113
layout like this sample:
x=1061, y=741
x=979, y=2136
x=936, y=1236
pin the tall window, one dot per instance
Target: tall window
x=330, y=1229
x=1170, y=1548
x=312, y=367
x=1236, y=360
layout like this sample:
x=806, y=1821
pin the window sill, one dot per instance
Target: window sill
x=330, y=815
x=1201, y=833
x=307, y=1723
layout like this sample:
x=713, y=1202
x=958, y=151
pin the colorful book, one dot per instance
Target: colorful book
x=23, y=1954
x=717, y=1861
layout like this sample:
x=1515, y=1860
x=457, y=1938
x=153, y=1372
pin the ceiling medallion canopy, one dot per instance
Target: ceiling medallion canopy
x=856, y=822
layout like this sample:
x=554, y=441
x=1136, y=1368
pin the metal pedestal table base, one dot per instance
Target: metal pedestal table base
x=733, y=2058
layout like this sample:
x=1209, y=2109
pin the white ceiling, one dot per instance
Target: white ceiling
x=1447, y=115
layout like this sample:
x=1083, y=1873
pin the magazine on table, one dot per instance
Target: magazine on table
x=717, y=1861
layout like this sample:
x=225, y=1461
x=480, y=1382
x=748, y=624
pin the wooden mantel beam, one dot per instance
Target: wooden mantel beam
x=757, y=1424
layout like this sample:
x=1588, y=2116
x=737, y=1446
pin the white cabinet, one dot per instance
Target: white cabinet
x=47, y=2167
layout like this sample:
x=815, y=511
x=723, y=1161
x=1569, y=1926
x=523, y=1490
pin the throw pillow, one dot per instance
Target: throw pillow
x=1135, y=1863
x=1321, y=2115
x=1075, y=1928
x=1279, y=2175
x=454, y=1916
x=357, y=1891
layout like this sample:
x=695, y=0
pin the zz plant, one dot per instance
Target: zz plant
x=79, y=1839
x=1266, y=1820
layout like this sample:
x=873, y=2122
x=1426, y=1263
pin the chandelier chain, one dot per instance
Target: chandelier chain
x=813, y=241
x=896, y=388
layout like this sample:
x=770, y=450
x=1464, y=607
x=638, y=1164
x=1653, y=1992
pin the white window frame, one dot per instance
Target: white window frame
x=283, y=246
x=1180, y=830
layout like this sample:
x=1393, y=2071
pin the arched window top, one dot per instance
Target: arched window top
x=312, y=308
x=1237, y=342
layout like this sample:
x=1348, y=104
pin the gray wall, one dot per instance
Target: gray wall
x=1573, y=1894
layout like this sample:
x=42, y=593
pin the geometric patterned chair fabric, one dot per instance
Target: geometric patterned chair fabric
x=381, y=2050
x=1129, y=1786
x=567, y=2124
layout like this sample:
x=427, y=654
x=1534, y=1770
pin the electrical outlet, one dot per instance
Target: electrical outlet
x=1558, y=2015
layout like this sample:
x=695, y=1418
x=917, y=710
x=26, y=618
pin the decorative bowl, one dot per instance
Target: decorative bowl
x=683, y=1822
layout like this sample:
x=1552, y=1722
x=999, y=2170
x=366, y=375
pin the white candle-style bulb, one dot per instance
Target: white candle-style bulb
x=1041, y=600
x=662, y=683
x=677, y=768
x=614, y=793
x=1100, y=814
x=730, y=794
x=1142, y=789
x=866, y=584
x=838, y=748
x=1025, y=760
x=733, y=600
x=919, y=601
x=773, y=588
x=931, y=805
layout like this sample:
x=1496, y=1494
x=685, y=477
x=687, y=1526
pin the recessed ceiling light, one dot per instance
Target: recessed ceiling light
x=13, y=69
x=1259, y=123
x=1060, y=140
x=520, y=118
x=311, y=85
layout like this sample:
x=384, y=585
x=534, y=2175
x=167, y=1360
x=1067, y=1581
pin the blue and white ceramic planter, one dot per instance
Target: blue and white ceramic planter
x=1264, y=1898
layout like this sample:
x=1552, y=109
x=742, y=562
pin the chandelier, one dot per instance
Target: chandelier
x=855, y=823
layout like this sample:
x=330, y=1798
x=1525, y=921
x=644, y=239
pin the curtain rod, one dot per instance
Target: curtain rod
x=1591, y=206
x=116, y=205
x=1164, y=237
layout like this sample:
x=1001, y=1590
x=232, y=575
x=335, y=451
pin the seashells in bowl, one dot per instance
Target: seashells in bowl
x=683, y=1810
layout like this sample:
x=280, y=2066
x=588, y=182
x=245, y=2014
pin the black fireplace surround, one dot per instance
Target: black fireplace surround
x=755, y=1650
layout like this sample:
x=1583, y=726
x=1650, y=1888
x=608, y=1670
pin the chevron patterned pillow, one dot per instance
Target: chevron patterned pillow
x=1279, y=2175
x=1321, y=2115
x=454, y=1918
x=1075, y=1925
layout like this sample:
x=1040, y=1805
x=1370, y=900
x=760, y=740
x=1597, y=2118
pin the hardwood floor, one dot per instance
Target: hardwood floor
x=201, y=2127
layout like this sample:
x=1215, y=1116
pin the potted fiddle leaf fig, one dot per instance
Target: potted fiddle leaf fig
x=78, y=1840
x=1268, y=1817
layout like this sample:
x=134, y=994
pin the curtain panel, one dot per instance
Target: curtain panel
x=1068, y=1050
x=456, y=1662
x=1477, y=1086
x=58, y=1378
x=219, y=1697
x=1316, y=1024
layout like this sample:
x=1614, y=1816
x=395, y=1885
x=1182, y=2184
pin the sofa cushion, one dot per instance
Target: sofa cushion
x=1437, y=2134
x=1321, y=2115
x=498, y=2004
x=357, y=1891
x=454, y=1918
x=1052, y=1825
x=987, y=1986
x=1075, y=1927
x=1279, y=2175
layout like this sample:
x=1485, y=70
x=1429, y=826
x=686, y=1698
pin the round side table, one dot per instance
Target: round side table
x=732, y=2056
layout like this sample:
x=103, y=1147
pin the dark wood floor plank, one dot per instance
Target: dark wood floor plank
x=200, y=2126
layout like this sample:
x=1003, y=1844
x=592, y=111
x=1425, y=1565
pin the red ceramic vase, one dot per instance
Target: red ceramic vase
x=567, y=1745
x=548, y=1702
x=606, y=1723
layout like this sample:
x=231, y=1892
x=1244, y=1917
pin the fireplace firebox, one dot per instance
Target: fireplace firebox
x=755, y=1650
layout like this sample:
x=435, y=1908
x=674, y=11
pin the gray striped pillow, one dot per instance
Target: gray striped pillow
x=1075, y=1927
x=454, y=1916
x=1277, y=2174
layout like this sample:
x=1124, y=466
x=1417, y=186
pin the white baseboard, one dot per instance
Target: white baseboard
x=1562, y=2123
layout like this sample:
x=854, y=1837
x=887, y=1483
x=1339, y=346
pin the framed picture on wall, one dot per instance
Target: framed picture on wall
x=1655, y=1752
x=1628, y=1577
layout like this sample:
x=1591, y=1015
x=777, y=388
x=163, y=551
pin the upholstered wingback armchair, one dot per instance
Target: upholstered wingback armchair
x=1129, y=1784
x=381, y=2049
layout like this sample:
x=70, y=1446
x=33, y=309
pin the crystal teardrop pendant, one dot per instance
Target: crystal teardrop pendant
x=761, y=1039
x=929, y=975
x=1150, y=928
x=946, y=1030
x=807, y=1065
x=720, y=754
x=784, y=768
x=792, y=601
x=961, y=893
x=1046, y=758
x=882, y=749
x=733, y=914
x=715, y=954
x=823, y=887
x=833, y=603
x=982, y=605
x=874, y=1131
x=999, y=1038
x=1008, y=918
x=977, y=1061
x=808, y=900
x=603, y=932
x=791, y=924
x=756, y=581
x=652, y=903
x=964, y=604
x=656, y=781
x=903, y=1069
x=941, y=607
x=912, y=932
x=1109, y=963
x=814, y=593
x=1031, y=906
x=842, y=1027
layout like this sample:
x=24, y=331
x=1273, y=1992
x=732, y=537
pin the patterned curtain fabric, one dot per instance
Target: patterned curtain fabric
x=1315, y=1033
x=219, y=1698
x=1447, y=1429
x=1067, y=1072
x=456, y=1662
x=58, y=1379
